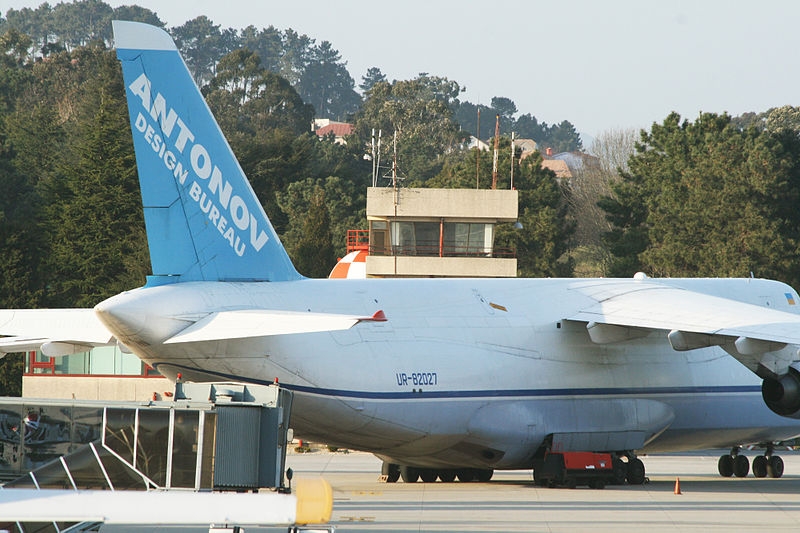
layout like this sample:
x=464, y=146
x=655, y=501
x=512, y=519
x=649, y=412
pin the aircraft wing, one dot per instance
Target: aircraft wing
x=759, y=337
x=55, y=331
x=247, y=323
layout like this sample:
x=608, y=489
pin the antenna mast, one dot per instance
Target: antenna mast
x=376, y=167
x=478, y=151
x=496, y=146
x=394, y=162
x=512, y=160
x=374, y=176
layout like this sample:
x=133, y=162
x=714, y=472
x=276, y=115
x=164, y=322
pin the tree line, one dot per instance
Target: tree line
x=315, y=70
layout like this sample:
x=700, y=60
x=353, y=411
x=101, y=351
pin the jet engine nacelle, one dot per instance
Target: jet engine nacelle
x=782, y=395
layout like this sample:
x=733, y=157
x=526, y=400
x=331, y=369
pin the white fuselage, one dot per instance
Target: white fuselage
x=464, y=372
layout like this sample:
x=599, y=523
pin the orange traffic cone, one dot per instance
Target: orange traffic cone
x=677, y=485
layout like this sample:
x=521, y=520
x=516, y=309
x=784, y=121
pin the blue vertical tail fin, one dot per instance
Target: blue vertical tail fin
x=204, y=222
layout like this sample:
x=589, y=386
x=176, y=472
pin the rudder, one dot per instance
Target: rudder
x=204, y=221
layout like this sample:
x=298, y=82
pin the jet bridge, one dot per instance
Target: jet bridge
x=212, y=438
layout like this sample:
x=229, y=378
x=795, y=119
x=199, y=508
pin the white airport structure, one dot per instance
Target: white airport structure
x=417, y=232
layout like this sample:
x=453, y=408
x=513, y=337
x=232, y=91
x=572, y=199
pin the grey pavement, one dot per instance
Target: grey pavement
x=510, y=502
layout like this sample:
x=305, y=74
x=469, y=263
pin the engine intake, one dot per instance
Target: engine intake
x=782, y=395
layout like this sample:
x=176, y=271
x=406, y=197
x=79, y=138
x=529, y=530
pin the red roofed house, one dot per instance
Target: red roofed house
x=323, y=127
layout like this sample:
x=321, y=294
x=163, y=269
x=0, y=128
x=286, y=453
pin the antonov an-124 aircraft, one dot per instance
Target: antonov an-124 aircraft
x=440, y=378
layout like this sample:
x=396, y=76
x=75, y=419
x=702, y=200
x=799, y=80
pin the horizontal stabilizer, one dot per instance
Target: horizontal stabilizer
x=249, y=323
x=62, y=329
x=20, y=344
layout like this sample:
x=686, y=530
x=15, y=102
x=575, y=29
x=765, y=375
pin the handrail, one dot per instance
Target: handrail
x=447, y=250
x=357, y=240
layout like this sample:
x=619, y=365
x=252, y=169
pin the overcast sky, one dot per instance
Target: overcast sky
x=600, y=65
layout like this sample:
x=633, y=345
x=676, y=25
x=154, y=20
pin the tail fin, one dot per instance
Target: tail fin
x=204, y=222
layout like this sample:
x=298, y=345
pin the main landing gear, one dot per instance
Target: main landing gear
x=738, y=465
x=391, y=473
x=635, y=473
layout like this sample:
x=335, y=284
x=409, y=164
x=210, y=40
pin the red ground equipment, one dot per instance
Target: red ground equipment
x=576, y=468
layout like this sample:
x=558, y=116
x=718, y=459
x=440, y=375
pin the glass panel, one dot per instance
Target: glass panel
x=184, y=448
x=52, y=476
x=476, y=238
x=122, y=477
x=427, y=234
x=403, y=240
x=47, y=434
x=377, y=224
x=87, y=425
x=85, y=470
x=462, y=239
x=209, y=440
x=151, y=454
x=131, y=365
x=378, y=245
x=10, y=440
x=456, y=238
x=101, y=360
x=119, y=431
x=77, y=363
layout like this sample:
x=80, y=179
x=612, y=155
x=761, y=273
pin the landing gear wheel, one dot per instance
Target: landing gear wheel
x=725, y=466
x=775, y=466
x=428, y=475
x=484, y=475
x=391, y=471
x=741, y=466
x=635, y=471
x=447, y=476
x=409, y=474
x=465, y=475
x=620, y=471
x=760, y=466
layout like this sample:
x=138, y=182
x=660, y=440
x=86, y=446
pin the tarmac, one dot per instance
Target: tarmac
x=511, y=502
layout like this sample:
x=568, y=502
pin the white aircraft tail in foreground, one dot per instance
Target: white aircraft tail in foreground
x=438, y=377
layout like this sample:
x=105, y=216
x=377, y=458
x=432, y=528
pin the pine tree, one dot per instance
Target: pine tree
x=96, y=219
x=313, y=253
x=706, y=198
x=368, y=80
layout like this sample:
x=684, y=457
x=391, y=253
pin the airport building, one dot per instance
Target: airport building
x=420, y=232
x=103, y=373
